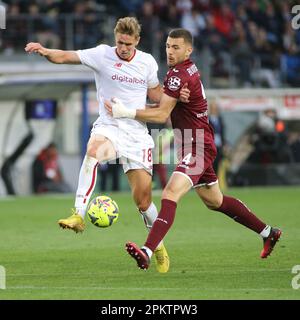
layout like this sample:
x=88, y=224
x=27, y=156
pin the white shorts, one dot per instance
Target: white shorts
x=133, y=150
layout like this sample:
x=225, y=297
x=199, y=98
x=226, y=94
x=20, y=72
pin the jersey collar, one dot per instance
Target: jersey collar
x=128, y=60
x=183, y=63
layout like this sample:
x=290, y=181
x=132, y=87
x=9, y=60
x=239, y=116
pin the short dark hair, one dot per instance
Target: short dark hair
x=181, y=33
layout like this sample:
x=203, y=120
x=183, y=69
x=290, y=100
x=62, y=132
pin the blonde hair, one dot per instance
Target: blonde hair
x=129, y=26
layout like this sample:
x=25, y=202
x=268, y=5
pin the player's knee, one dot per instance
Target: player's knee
x=143, y=200
x=169, y=193
x=143, y=205
x=213, y=204
x=100, y=152
x=91, y=150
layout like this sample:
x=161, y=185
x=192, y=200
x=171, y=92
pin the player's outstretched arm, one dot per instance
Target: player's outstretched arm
x=53, y=55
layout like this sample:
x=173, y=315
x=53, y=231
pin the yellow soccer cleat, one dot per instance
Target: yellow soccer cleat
x=162, y=259
x=74, y=222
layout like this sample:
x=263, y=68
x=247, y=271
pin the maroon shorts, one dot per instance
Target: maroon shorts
x=196, y=164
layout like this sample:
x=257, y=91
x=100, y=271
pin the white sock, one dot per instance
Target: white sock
x=149, y=216
x=86, y=184
x=266, y=231
x=149, y=252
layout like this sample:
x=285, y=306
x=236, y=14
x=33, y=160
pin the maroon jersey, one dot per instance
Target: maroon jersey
x=196, y=150
x=194, y=114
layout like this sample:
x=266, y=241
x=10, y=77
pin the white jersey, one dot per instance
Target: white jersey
x=126, y=80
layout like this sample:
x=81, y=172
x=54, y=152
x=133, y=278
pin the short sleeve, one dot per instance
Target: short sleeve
x=91, y=57
x=173, y=84
x=152, y=79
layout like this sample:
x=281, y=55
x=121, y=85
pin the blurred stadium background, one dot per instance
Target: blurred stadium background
x=249, y=56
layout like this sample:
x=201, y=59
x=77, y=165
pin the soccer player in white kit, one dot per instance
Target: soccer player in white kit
x=131, y=75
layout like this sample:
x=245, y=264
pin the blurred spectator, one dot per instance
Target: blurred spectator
x=46, y=174
x=210, y=37
x=44, y=25
x=270, y=140
x=162, y=135
x=224, y=19
x=217, y=123
x=273, y=24
x=238, y=35
x=86, y=25
x=242, y=55
x=109, y=171
x=130, y=7
x=149, y=23
x=290, y=59
x=294, y=141
x=193, y=21
x=267, y=59
x=255, y=13
x=184, y=6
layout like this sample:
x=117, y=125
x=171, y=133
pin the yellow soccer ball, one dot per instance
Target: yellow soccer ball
x=103, y=211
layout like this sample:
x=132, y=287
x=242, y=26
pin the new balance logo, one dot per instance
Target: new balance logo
x=118, y=65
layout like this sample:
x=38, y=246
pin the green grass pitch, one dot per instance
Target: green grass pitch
x=212, y=257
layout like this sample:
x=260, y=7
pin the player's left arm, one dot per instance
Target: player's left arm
x=155, y=94
x=160, y=114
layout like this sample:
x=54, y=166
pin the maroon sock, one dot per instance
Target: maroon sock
x=162, y=224
x=236, y=210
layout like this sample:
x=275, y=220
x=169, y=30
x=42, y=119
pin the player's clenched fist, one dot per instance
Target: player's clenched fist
x=37, y=48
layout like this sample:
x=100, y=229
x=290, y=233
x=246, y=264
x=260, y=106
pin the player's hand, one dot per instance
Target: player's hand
x=36, y=48
x=185, y=93
x=117, y=109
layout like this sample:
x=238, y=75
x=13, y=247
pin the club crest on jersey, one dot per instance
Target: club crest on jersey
x=174, y=83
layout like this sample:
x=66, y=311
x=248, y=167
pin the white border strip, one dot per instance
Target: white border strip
x=184, y=174
x=206, y=184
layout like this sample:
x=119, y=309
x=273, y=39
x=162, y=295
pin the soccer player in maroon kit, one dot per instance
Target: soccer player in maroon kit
x=196, y=151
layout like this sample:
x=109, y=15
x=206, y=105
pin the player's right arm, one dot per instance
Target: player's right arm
x=53, y=55
x=116, y=108
x=159, y=114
